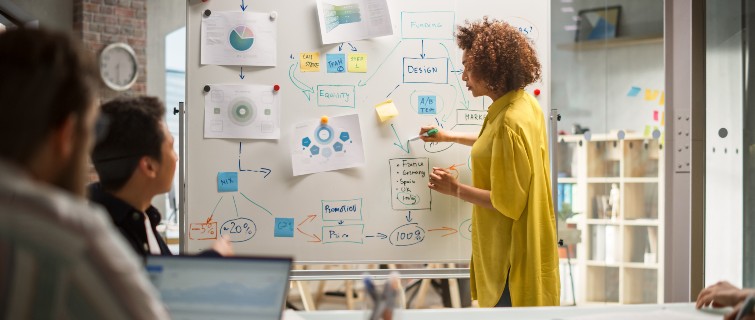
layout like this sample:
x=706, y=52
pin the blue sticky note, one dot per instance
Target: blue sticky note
x=284, y=228
x=634, y=92
x=228, y=181
x=336, y=62
x=427, y=104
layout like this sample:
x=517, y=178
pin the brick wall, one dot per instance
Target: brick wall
x=102, y=22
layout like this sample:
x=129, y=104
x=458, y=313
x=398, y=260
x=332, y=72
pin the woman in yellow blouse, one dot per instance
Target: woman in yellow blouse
x=514, y=249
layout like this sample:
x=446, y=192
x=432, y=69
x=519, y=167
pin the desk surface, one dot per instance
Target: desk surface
x=614, y=312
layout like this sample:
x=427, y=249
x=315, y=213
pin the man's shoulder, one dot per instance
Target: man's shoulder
x=42, y=211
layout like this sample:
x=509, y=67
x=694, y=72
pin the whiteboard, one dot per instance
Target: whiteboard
x=382, y=210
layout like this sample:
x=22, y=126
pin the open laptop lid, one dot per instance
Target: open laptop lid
x=194, y=287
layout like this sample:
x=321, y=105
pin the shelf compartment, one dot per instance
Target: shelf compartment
x=640, y=201
x=604, y=244
x=599, y=205
x=642, y=222
x=603, y=44
x=605, y=157
x=641, y=158
x=641, y=245
x=602, y=284
x=640, y=286
x=567, y=163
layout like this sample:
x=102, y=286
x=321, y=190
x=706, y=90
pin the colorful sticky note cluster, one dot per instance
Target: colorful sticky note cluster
x=357, y=62
x=386, y=110
x=228, y=181
x=309, y=61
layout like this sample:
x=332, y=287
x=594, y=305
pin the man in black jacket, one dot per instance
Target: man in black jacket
x=135, y=161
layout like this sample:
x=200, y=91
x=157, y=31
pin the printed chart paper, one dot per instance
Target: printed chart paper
x=238, y=39
x=242, y=112
x=347, y=20
x=329, y=146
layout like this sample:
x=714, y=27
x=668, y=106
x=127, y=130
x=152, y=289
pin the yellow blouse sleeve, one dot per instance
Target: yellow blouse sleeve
x=511, y=173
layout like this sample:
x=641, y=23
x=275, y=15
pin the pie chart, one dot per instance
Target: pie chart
x=241, y=38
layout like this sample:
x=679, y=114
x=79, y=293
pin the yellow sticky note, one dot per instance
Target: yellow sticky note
x=357, y=62
x=651, y=95
x=386, y=110
x=309, y=61
x=647, y=132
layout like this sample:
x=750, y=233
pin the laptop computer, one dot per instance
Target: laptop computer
x=194, y=287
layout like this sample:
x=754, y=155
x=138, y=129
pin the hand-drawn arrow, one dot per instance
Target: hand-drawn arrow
x=379, y=235
x=378, y=68
x=409, y=217
x=254, y=203
x=340, y=46
x=313, y=236
x=352, y=47
x=453, y=166
x=422, y=55
x=400, y=144
x=340, y=222
x=213, y=210
x=243, y=7
x=465, y=102
x=306, y=90
x=309, y=218
x=235, y=206
x=241, y=75
x=266, y=171
x=451, y=231
x=394, y=89
x=438, y=122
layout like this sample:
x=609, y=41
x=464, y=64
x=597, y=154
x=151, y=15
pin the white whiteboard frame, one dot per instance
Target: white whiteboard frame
x=183, y=184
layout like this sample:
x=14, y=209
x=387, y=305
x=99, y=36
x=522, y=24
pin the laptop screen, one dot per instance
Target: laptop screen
x=193, y=287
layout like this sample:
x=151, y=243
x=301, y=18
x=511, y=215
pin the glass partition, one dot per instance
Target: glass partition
x=608, y=84
x=730, y=143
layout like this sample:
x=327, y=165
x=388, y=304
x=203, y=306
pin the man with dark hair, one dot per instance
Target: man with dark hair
x=59, y=256
x=135, y=161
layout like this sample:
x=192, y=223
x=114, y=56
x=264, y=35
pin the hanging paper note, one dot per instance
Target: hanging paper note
x=386, y=110
x=228, y=181
x=357, y=62
x=334, y=145
x=309, y=61
x=336, y=62
x=353, y=20
x=236, y=38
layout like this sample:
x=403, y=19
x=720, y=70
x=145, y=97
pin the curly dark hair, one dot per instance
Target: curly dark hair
x=498, y=54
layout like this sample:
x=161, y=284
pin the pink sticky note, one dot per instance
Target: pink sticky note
x=655, y=115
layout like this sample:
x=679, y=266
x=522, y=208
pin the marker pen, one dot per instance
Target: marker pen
x=428, y=133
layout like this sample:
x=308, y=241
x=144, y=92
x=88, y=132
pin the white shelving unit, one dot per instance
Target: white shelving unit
x=619, y=259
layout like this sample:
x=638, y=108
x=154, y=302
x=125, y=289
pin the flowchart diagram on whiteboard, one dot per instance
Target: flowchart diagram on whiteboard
x=304, y=144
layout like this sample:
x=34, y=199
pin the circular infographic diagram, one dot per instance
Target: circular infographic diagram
x=241, y=38
x=242, y=112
